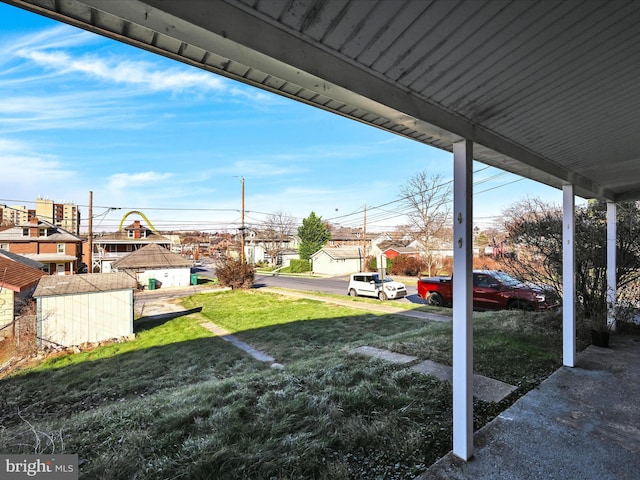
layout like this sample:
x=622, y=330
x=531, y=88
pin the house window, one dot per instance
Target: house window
x=130, y=233
x=4, y=246
x=25, y=232
x=129, y=248
x=143, y=234
x=42, y=232
x=61, y=248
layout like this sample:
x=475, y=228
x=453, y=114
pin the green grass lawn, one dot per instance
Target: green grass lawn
x=422, y=307
x=178, y=402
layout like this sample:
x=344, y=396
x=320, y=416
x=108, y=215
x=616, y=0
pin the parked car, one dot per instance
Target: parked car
x=492, y=290
x=371, y=285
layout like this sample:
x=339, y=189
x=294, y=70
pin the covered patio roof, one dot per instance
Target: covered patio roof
x=546, y=90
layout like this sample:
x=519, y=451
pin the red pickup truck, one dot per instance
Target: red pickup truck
x=492, y=290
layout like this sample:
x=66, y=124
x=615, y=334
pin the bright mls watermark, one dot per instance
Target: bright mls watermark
x=49, y=467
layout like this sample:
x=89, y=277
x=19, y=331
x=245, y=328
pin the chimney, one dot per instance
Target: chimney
x=33, y=227
x=136, y=231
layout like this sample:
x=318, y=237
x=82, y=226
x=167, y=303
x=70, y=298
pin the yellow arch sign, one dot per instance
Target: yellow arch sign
x=142, y=215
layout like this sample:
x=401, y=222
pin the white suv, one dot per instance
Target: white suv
x=371, y=285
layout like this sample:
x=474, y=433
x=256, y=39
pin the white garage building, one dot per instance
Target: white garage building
x=156, y=266
x=337, y=261
x=77, y=309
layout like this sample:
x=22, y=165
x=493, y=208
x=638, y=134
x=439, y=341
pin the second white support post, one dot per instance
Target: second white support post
x=611, y=264
x=568, y=277
x=463, y=300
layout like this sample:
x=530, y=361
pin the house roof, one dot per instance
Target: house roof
x=52, y=285
x=386, y=244
x=17, y=276
x=29, y=262
x=50, y=257
x=340, y=253
x=345, y=233
x=122, y=236
x=14, y=234
x=152, y=256
x=402, y=250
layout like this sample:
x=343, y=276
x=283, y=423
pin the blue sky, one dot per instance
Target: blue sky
x=79, y=112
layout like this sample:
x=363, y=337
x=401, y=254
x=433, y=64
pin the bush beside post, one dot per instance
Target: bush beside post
x=234, y=273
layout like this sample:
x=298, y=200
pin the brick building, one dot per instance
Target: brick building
x=58, y=250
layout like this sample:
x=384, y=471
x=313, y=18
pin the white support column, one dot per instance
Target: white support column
x=611, y=263
x=462, y=300
x=568, y=277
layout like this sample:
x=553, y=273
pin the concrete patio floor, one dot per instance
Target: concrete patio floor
x=580, y=423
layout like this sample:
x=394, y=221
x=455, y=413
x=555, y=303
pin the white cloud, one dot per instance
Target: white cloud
x=19, y=163
x=121, y=181
x=51, y=49
x=59, y=36
x=63, y=111
x=81, y=86
x=137, y=73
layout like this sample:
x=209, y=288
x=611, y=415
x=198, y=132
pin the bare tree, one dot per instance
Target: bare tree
x=277, y=231
x=535, y=232
x=427, y=198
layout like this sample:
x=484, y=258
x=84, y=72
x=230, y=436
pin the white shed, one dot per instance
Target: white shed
x=77, y=309
x=153, y=262
x=337, y=261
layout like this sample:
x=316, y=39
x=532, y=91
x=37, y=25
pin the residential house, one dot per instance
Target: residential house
x=22, y=259
x=176, y=243
x=439, y=248
x=39, y=240
x=392, y=252
x=222, y=245
x=374, y=242
x=337, y=261
x=17, y=283
x=263, y=245
x=156, y=266
x=108, y=248
x=349, y=237
x=87, y=308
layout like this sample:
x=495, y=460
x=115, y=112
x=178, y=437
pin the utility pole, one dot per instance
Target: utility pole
x=242, y=227
x=364, y=240
x=90, y=263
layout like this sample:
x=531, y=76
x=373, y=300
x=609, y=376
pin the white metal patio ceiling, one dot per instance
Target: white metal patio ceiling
x=546, y=89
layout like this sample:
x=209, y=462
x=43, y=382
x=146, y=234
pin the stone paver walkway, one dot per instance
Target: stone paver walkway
x=163, y=308
x=484, y=388
x=387, y=355
x=227, y=336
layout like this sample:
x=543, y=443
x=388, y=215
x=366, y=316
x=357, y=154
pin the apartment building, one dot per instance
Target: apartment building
x=63, y=215
x=15, y=214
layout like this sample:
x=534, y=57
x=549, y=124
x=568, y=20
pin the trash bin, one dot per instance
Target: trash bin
x=152, y=284
x=194, y=279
